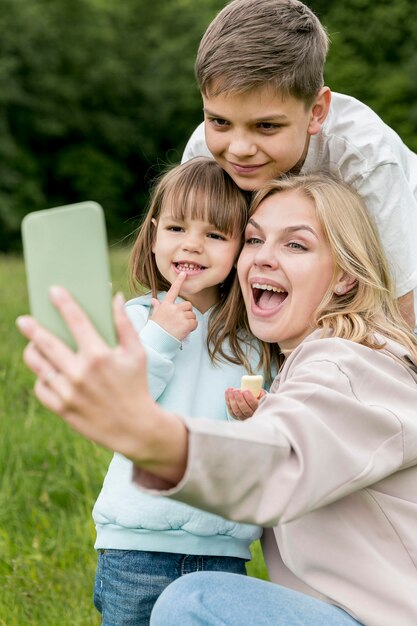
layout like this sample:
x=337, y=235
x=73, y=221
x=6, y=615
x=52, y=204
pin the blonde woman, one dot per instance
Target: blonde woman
x=328, y=462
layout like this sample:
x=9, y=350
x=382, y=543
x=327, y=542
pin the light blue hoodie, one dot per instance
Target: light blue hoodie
x=183, y=380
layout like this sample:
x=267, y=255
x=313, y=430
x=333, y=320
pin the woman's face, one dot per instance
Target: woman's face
x=284, y=269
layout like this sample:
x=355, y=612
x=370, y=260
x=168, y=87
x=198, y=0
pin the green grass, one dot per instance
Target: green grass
x=50, y=478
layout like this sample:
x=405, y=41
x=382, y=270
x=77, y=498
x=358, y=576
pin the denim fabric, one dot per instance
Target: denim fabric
x=208, y=599
x=128, y=582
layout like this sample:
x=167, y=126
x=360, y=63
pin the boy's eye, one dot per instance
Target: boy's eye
x=219, y=122
x=268, y=126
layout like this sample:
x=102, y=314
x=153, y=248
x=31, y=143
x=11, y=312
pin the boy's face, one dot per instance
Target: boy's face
x=259, y=135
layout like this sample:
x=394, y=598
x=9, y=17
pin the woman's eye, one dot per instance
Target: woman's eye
x=252, y=241
x=294, y=245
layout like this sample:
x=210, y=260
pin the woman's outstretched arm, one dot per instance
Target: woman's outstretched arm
x=102, y=392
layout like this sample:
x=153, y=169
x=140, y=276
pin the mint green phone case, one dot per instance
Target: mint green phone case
x=67, y=246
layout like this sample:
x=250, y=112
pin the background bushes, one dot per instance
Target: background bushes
x=97, y=95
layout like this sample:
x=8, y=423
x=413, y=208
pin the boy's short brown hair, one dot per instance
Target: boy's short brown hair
x=258, y=43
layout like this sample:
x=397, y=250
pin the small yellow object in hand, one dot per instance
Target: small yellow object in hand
x=253, y=383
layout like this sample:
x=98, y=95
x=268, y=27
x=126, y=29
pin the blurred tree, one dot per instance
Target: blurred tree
x=93, y=95
x=96, y=96
x=373, y=56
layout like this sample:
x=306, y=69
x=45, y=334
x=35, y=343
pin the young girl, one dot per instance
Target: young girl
x=184, y=255
x=328, y=461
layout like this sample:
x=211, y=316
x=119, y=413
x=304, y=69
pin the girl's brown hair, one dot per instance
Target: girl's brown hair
x=199, y=189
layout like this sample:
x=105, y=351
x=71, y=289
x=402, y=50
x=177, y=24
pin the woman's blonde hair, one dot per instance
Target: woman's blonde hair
x=370, y=306
x=198, y=189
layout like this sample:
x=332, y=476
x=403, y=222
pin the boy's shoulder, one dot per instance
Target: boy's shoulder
x=196, y=145
x=354, y=140
x=349, y=116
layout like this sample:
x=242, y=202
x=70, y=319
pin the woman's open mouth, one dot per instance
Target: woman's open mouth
x=268, y=297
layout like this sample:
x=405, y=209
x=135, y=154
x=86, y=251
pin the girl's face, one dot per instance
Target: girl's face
x=198, y=248
x=284, y=269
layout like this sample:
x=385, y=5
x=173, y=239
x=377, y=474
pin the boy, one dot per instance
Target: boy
x=267, y=112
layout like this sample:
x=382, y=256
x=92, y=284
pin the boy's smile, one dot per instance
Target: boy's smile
x=259, y=135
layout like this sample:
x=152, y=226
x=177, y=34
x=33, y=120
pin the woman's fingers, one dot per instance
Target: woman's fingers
x=126, y=334
x=51, y=352
x=79, y=324
x=36, y=362
x=48, y=395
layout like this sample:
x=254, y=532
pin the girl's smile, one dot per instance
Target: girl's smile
x=188, y=267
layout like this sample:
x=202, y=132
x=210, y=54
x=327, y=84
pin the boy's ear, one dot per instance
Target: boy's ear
x=319, y=110
x=154, y=224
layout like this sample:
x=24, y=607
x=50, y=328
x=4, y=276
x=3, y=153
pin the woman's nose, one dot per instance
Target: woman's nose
x=266, y=257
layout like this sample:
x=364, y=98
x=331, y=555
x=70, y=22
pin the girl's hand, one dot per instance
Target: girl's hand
x=242, y=404
x=101, y=391
x=178, y=320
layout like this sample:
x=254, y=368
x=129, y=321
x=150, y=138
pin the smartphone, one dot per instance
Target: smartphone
x=67, y=246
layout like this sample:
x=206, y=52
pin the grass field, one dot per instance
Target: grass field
x=50, y=478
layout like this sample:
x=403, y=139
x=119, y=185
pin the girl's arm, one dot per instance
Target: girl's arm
x=162, y=334
x=160, y=347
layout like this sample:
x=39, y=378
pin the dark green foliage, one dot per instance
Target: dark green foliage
x=373, y=57
x=96, y=96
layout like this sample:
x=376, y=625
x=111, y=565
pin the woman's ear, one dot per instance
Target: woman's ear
x=155, y=225
x=344, y=284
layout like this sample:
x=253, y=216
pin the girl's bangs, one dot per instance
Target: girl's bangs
x=226, y=212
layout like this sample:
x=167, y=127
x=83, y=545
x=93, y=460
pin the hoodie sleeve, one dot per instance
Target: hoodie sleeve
x=161, y=348
x=324, y=434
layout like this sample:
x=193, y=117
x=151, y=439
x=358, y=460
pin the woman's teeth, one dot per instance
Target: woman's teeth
x=265, y=287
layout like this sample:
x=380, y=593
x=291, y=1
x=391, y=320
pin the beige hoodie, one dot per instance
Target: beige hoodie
x=329, y=462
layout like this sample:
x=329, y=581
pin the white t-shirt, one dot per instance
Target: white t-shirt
x=366, y=153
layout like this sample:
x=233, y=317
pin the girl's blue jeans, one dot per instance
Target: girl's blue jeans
x=217, y=599
x=128, y=582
